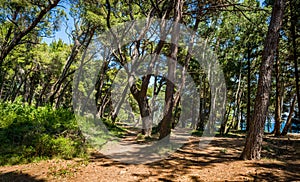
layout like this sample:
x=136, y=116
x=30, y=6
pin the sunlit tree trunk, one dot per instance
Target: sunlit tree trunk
x=278, y=97
x=252, y=149
x=289, y=119
x=238, y=110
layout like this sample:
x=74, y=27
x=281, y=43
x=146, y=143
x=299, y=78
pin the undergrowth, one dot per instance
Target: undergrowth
x=29, y=134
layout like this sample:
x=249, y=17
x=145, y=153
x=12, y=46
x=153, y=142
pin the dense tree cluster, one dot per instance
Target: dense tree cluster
x=249, y=40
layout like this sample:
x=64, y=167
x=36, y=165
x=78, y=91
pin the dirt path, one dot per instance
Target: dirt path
x=136, y=151
x=217, y=162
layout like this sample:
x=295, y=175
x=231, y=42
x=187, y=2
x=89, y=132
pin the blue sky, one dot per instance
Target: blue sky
x=61, y=34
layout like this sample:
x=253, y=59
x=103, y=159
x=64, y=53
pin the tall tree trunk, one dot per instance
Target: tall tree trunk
x=252, y=149
x=193, y=113
x=226, y=116
x=99, y=85
x=168, y=118
x=238, y=114
x=237, y=101
x=289, y=119
x=42, y=94
x=2, y=76
x=16, y=92
x=165, y=128
x=295, y=56
x=154, y=96
x=141, y=97
x=278, y=97
x=248, y=91
x=202, y=105
x=12, y=87
x=32, y=88
x=61, y=95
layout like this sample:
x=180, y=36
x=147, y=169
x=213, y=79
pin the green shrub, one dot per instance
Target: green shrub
x=28, y=133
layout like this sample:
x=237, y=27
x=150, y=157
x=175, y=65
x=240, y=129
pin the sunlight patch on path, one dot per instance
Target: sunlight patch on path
x=133, y=152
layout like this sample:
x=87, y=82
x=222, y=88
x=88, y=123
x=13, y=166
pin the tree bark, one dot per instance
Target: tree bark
x=168, y=118
x=226, y=116
x=278, y=97
x=202, y=105
x=237, y=102
x=238, y=106
x=252, y=149
x=141, y=97
x=289, y=119
x=248, y=91
x=295, y=56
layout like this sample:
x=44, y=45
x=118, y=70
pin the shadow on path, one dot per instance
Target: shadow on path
x=18, y=177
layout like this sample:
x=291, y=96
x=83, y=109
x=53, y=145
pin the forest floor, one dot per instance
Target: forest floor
x=219, y=161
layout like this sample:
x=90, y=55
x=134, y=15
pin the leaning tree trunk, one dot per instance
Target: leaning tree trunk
x=252, y=149
x=288, y=123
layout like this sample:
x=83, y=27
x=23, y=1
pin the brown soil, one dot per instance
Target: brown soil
x=218, y=162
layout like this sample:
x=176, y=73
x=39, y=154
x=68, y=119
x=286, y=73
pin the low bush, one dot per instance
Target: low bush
x=28, y=133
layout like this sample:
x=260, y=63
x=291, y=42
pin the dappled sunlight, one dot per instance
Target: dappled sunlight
x=219, y=161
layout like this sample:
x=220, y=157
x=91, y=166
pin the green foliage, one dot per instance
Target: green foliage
x=28, y=133
x=197, y=133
